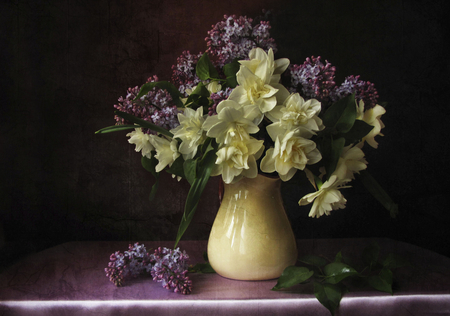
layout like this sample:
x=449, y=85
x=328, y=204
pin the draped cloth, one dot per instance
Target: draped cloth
x=69, y=279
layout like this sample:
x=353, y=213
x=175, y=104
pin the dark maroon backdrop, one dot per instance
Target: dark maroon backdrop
x=65, y=63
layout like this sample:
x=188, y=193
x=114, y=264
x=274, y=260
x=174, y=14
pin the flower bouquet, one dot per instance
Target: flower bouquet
x=236, y=111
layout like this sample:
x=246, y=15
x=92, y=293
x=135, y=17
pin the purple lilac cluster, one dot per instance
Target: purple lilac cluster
x=217, y=98
x=234, y=37
x=313, y=79
x=364, y=90
x=184, y=75
x=156, y=107
x=168, y=266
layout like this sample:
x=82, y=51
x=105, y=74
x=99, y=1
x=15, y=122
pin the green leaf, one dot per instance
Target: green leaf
x=378, y=192
x=205, y=69
x=393, y=261
x=205, y=168
x=143, y=123
x=341, y=115
x=177, y=167
x=338, y=257
x=165, y=85
x=370, y=255
x=357, y=132
x=292, y=276
x=149, y=165
x=382, y=282
x=202, y=268
x=329, y=295
x=230, y=71
x=190, y=169
x=313, y=260
x=199, y=97
x=337, y=271
x=331, y=150
x=116, y=128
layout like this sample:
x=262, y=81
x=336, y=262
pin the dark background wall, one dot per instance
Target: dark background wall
x=65, y=63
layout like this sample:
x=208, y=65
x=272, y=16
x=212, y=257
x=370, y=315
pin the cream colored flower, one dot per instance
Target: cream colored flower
x=327, y=198
x=142, y=142
x=253, y=90
x=372, y=117
x=351, y=161
x=264, y=66
x=291, y=152
x=166, y=151
x=230, y=124
x=296, y=113
x=238, y=159
x=190, y=131
x=214, y=86
x=258, y=80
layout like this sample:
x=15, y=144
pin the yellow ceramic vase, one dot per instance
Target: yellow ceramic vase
x=251, y=238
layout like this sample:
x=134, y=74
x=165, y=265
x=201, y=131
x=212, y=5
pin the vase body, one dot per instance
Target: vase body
x=251, y=238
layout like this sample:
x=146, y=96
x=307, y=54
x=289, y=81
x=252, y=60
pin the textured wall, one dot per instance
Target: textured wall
x=65, y=63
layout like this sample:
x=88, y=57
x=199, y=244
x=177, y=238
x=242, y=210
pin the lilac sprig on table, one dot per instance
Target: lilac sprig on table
x=165, y=265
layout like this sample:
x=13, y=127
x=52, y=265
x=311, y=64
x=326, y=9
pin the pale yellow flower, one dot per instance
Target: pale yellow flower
x=253, y=90
x=297, y=113
x=291, y=153
x=372, y=117
x=327, y=198
x=142, y=142
x=264, y=66
x=166, y=151
x=230, y=124
x=351, y=161
x=238, y=159
x=190, y=131
x=258, y=80
x=214, y=87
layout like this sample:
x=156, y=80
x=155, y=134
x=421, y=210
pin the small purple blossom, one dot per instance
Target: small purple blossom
x=184, y=75
x=168, y=266
x=156, y=107
x=234, y=37
x=313, y=79
x=364, y=90
x=217, y=98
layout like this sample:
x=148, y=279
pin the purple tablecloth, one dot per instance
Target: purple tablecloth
x=69, y=279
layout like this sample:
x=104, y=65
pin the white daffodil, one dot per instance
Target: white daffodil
x=238, y=159
x=327, y=198
x=214, y=86
x=190, y=131
x=291, y=153
x=258, y=80
x=351, y=161
x=264, y=66
x=142, y=142
x=297, y=113
x=253, y=90
x=166, y=151
x=372, y=117
x=230, y=124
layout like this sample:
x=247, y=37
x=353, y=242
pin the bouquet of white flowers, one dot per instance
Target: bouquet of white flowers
x=236, y=111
